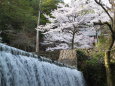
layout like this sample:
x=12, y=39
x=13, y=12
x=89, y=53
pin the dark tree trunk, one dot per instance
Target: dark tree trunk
x=73, y=37
x=112, y=29
x=107, y=62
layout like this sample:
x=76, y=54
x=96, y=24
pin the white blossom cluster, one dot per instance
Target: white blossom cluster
x=75, y=17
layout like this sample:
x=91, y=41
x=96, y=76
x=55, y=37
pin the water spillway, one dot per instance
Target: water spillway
x=19, y=68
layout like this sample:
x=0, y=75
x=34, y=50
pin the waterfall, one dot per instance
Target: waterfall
x=20, y=68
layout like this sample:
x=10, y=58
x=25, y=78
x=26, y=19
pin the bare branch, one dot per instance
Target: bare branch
x=104, y=23
x=99, y=3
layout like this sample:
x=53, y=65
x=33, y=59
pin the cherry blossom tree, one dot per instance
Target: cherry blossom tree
x=109, y=7
x=79, y=14
x=71, y=18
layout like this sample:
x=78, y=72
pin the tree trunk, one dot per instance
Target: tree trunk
x=108, y=69
x=107, y=63
x=37, y=34
x=73, y=36
x=108, y=55
x=37, y=42
x=112, y=29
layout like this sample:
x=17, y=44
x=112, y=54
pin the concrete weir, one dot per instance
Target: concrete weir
x=20, y=68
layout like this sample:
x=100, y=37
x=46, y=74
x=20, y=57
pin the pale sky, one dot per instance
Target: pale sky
x=67, y=1
x=105, y=1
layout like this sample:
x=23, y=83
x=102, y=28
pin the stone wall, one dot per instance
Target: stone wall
x=68, y=57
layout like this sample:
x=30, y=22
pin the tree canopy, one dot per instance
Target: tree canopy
x=20, y=16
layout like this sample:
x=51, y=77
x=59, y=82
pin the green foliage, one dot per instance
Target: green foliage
x=90, y=54
x=98, y=55
x=103, y=42
x=90, y=62
x=94, y=73
x=83, y=12
x=49, y=5
x=82, y=55
x=21, y=16
x=16, y=14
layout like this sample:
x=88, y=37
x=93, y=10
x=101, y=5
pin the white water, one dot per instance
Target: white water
x=18, y=68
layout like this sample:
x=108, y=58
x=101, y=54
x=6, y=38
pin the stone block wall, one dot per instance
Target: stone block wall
x=68, y=57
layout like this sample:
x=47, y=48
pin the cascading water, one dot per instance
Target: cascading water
x=18, y=68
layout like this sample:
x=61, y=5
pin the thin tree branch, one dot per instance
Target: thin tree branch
x=104, y=23
x=99, y=3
